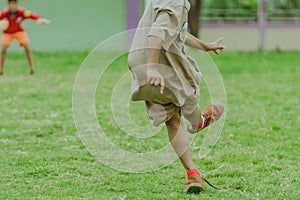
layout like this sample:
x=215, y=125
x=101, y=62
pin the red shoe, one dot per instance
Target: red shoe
x=211, y=114
x=195, y=184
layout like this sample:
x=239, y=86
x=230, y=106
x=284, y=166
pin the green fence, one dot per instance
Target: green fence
x=245, y=11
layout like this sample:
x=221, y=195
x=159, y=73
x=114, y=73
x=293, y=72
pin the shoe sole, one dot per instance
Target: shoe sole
x=194, y=188
x=214, y=112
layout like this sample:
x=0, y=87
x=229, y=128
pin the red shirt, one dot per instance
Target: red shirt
x=15, y=19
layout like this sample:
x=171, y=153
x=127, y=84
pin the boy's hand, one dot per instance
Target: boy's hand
x=43, y=21
x=3, y=25
x=154, y=78
x=216, y=46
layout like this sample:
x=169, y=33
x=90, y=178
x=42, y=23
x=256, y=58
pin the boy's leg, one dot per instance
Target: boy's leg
x=194, y=117
x=3, y=58
x=179, y=141
x=6, y=40
x=199, y=121
x=29, y=58
x=23, y=40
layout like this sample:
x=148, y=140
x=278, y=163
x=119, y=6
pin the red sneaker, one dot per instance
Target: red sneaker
x=211, y=114
x=195, y=184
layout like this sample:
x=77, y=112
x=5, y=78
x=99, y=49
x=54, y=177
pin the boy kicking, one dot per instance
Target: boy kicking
x=13, y=30
x=168, y=80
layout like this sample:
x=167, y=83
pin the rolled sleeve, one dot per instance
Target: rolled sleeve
x=167, y=25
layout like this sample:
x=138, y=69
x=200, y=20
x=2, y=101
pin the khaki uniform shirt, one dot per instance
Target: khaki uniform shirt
x=166, y=19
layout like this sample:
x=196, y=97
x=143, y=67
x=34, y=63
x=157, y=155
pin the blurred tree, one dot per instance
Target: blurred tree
x=194, y=17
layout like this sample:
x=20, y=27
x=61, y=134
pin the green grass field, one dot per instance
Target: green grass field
x=257, y=156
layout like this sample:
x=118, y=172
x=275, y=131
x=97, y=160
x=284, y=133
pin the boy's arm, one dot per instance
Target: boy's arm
x=43, y=21
x=37, y=18
x=3, y=14
x=194, y=42
x=3, y=24
x=153, y=52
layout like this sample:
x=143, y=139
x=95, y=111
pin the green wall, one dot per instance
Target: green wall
x=76, y=24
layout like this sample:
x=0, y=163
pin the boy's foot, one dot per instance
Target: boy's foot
x=31, y=72
x=195, y=184
x=211, y=114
